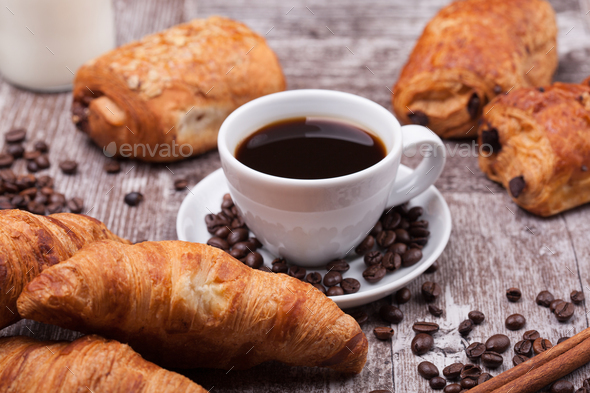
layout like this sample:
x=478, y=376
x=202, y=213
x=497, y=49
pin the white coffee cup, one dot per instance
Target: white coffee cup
x=311, y=222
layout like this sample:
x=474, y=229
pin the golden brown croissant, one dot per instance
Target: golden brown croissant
x=189, y=305
x=539, y=146
x=471, y=51
x=89, y=364
x=31, y=243
x=163, y=98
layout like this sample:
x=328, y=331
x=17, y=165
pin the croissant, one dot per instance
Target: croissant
x=187, y=305
x=538, y=146
x=471, y=51
x=163, y=98
x=30, y=243
x=89, y=364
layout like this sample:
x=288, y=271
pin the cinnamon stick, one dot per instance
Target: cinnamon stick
x=542, y=369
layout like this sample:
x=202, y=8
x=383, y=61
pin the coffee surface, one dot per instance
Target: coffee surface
x=310, y=148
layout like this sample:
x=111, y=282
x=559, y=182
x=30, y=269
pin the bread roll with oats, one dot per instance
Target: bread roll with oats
x=174, y=87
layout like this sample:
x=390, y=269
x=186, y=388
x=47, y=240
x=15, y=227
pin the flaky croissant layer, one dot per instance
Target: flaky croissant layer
x=89, y=364
x=189, y=305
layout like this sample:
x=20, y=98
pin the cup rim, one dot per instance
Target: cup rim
x=230, y=159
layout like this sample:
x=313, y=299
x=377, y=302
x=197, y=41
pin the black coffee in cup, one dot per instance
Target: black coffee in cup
x=310, y=148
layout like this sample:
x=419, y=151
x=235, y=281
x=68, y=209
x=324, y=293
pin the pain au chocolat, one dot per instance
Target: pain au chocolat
x=164, y=97
x=470, y=52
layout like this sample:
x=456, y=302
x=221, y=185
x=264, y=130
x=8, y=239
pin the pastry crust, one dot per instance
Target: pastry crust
x=471, y=51
x=187, y=305
x=88, y=364
x=172, y=89
x=30, y=243
x=541, y=146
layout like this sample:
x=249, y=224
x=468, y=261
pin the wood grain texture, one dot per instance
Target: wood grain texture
x=358, y=47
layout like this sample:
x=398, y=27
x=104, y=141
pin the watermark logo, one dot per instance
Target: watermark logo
x=141, y=150
x=472, y=149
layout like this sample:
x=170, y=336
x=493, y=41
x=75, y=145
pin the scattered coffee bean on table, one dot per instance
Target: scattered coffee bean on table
x=577, y=297
x=112, y=167
x=435, y=310
x=422, y=343
x=470, y=370
x=41, y=146
x=513, y=294
x=6, y=160
x=16, y=150
x=425, y=327
x=562, y=339
x=475, y=350
x=465, y=327
x=524, y=347
x=544, y=298
x=554, y=304
x=133, y=198
x=383, y=333
x=15, y=135
x=564, y=311
x=430, y=291
x=403, y=296
x=391, y=314
x=453, y=388
x=432, y=268
x=469, y=382
x=477, y=317
x=453, y=371
x=76, y=205
x=68, y=167
x=180, y=184
x=361, y=317
x=437, y=383
x=498, y=343
x=515, y=322
x=427, y=370
x=517, y=359
x=492, y=359
x=562, y=386
x=531, y=335
x=541, y=345
x=484, y=377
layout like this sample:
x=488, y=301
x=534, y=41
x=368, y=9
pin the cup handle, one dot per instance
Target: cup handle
x=427, y=171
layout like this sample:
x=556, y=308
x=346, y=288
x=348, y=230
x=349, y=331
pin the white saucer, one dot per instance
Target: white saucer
x=207, y=195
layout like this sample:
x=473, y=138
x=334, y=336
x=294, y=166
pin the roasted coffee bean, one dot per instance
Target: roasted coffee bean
x=422, y=343
x=350, y=285
x=562, y=339
x=469, y=382
x=227, y=200
x=283, y=268
x=577, y=297
x=373, y=258
x=435, y=310
x=515, y=322
x=42, y=162
x=238, y=253
x=374, y=273
x=45, y=181
x=564, y=311
x=402, y=236
x=54, y=208
x=492, y=359
x=228, y=212
x=477, y=317
x=398, y=248
x=437, y=383
x=470, y=371
x=473, y=105
x=5, y=205
x=6, y=160
x=386, y=239
x=180, y=184
x=475, y=350
x=335, y=291
x=338, y=265
x=15, y=135
x=453, y=371
x=76, y=205
x=246, y=248
x=517, y=359
x=68, y=167
x=555, y=303
x=222, y=232
x=419, y=232
x=390, y=220
x=46, y=191
x=391, y=314
x=365, y=246
x=414, y=213
x=10, y=188
x=299, y=273
x=133, y=198
x=15, y=150
x=531, y=335
x=313, y=278
x=524, y=347
x=403, y=296
x=391, y=261
x=465, y=327
x=25, y=181
x=7, y=175
x=30, y=192
x=278, y=260
x=432, y=268
x=383, y=332
x=427, y=370
x=425, y=327
x=513, y=294
x=20, y=201
x=361, y=317
x=238, y=222
x=57, y=197
x=237, y=235
x=112, y=167
x=484, y=377
x=562, y=386
x=453, y=388
x=516, y=186
x=41, y=198
x=498, y=343
x=255, y=242
x=254, y=260
x=32, y=167
x=411, y=256
x=36, y=208
x=541, y=345
x=377, y=229
x=430, y=291
x=41, y=146
x=544, y=298
x=419, y=224
x=418, y=117
x=332, y=278
x=418, y=242
x=31, y=155
x=215, y=221
x=218, y=243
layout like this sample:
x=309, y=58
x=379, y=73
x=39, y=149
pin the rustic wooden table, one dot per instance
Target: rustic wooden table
x=358, y=47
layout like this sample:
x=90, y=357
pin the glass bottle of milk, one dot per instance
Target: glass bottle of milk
x=43, y=42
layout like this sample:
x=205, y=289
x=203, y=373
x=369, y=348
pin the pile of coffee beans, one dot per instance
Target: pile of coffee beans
x=562, y=310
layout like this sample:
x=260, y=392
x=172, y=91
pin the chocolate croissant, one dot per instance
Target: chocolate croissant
x=30, y=243
x=470, y=52
x=89, y=364
x=163, y=98
x=537, y=144
x=187, y=305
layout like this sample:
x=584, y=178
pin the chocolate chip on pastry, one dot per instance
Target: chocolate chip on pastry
x=470, y=52
x=545, y=149
x=167, y=94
